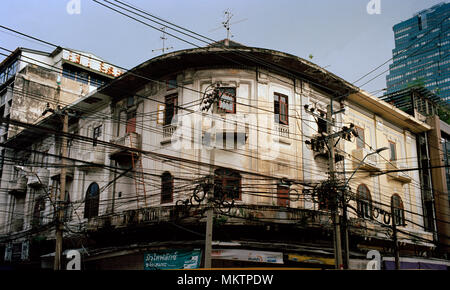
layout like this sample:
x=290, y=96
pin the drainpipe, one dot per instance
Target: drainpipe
x=430, y=185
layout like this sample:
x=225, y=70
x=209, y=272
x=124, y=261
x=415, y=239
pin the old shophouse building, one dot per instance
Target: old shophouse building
x=240, y=129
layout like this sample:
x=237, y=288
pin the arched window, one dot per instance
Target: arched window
x=364, y=202
x=227, y=184
x=166, y=187
x=398, y=213
x=91, y=202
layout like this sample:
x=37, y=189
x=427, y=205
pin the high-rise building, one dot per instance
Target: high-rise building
x=421, y=53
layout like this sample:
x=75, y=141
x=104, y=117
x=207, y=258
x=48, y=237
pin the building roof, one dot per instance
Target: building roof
x=234, y=56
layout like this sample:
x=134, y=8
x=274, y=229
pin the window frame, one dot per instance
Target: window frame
x=281, y=101
x=361, y=138
x=223, y=90
x=392, y=143
x=96, y=134
x=283, y=195
x=222, y=178
x=170, y=101
x=131, y=122
x=92, y=202
x=397, y=211
x=38, y=211
x=364, y=204
x=167, y=184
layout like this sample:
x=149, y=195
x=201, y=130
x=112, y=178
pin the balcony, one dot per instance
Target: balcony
x=39, y=179
x=18, y=185
x=96, y=156
x=55, y=172
x=168, y=131
x=126, y=146
x=397, y=175
x=370, y=163
x=281, y=132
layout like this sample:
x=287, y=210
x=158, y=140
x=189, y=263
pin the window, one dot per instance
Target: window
x=360, y=140
x=97, y=134
x=166, y=187
x=364, y=202
x=171, y=109
x=281, y=108
x=398, y=213
x=282, y=195
x=131, y=122
x=130, y=101
x=228, y=140
x=38, y=212
x=322, y=124
x=227, y=100
x=91, y=202
x=227, y=184
x=67, y=207
x=171, y=84
x=393, y=151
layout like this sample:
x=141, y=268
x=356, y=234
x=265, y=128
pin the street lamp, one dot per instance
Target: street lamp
x=344, y=204
x=362, y=161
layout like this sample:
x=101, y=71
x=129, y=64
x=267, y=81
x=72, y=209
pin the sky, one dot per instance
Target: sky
x=340, y=35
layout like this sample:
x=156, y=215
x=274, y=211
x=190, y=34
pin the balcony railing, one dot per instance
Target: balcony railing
x=370, y=162
x=39, y=178
x=248, y=214
x=55, y=172
x=281, y=133
x=129, y=142
x=18, y=185
x=96, y=156
x=168, y=131
x=398, y=174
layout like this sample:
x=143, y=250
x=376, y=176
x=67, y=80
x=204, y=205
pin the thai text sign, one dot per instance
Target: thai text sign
x=172, y=259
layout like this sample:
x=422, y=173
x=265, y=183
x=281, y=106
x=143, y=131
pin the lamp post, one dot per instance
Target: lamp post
x=344, y=204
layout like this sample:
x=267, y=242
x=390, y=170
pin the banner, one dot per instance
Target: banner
x=172, y=259
x=248, y=255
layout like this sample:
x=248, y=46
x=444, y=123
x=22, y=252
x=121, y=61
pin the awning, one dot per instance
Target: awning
x=248, y=256
x=310, y=260
x=416, y=264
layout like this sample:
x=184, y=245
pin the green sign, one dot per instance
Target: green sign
x=172, y=259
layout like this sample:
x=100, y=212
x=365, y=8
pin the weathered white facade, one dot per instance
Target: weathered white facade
x=149, y=125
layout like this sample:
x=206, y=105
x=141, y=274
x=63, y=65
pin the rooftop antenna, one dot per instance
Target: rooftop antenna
x=227, y=24
x=164, y=38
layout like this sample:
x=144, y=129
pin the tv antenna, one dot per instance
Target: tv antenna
x=164, y=38
x=227, y=23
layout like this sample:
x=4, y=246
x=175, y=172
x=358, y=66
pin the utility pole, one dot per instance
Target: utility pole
x=345, y=232
x=209, y=215
x=334, y=197
x=209, y=209
x=62, y=189
x=394, y=233
x=62, y=192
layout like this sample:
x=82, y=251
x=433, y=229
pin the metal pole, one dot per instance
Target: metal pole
x=335, y=208
x=210, y=211
x=62, y=191
x=394, y=233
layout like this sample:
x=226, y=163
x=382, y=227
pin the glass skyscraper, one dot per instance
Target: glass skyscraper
x=422, y=52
